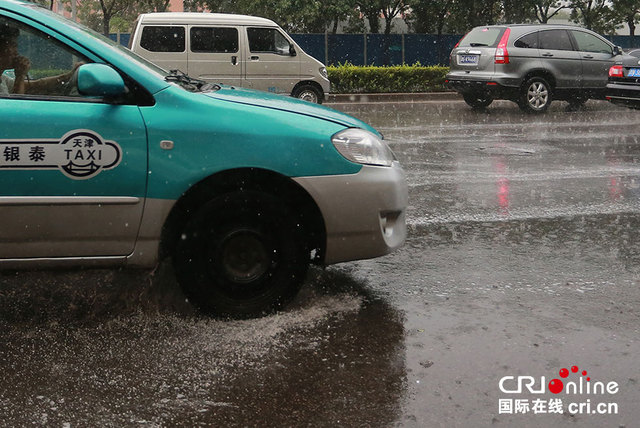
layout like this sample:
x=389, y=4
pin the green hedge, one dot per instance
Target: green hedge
x=349, y=79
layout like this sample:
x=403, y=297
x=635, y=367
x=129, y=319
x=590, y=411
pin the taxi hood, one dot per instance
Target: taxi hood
x=288, y=104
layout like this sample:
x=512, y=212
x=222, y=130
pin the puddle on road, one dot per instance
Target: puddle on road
x=123, y=348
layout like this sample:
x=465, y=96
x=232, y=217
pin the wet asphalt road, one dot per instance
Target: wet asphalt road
x=522, y=259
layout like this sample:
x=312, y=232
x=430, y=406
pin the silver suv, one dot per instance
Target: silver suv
x=531, y=65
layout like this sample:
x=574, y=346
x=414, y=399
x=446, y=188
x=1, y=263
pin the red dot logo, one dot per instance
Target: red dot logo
x=574, y=369
x=564, y=373
x=556, y=385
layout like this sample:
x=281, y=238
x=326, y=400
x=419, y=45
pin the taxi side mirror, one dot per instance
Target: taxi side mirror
x=99, y=80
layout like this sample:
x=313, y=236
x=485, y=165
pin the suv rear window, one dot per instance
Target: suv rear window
x=529, y=41
x=482, y=36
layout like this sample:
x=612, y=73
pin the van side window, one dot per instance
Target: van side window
x=529, y=41
x=590, y=43
x=268, y=40
x=555, y=39
x=163, y=39
x=216, y=40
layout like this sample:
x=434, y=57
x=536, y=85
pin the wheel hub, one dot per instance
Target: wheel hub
x=244, y=257
x=308, y=96
x=537, y=95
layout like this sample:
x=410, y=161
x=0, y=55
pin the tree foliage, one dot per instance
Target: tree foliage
x=595, y=15
x=547, y=9
x=628, y=12
x=424, y=16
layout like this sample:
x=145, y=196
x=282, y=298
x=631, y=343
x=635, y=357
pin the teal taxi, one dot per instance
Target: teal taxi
x=108, y=160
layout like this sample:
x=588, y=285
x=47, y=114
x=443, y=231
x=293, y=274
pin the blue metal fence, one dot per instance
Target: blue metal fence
x=368, y=49
x=380, y=49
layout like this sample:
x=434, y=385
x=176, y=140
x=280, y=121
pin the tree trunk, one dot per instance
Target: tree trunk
x=374, y=24
x=106, y=21
x=387, y=26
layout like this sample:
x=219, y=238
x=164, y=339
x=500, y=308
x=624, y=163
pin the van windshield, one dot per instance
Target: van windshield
x=482, y=36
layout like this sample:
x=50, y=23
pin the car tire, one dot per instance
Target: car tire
x=308, y=93
x=476, y=101
x=241, y=255
x=535, y=96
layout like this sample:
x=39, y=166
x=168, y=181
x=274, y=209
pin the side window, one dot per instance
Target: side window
x=33, y=63
x=268, y=40
x=214, y=40
x=163, y=39
x=555, y=39
x=590, y=43
x=529, y=41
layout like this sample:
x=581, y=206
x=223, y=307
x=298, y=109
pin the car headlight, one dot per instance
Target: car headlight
x=323, y=72
x=360, y=146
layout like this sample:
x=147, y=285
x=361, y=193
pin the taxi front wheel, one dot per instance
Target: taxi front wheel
x=241, y=255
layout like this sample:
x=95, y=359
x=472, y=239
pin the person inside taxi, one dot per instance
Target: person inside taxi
x=20, y=83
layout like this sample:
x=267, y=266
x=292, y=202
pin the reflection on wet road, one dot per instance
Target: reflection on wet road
x=77, y=354
x=522, y=256
x=522, y=259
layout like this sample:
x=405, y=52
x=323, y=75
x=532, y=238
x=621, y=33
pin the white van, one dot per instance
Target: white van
x=236, y=50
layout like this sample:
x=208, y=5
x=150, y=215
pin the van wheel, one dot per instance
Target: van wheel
x=476, y=101
x=308, y=93
x=241, y=255
x=535, y=96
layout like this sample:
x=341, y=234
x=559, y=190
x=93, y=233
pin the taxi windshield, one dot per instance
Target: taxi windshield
x=94, y=34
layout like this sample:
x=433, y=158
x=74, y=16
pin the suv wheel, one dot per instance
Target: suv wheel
x=476, y=101
x=535, y=96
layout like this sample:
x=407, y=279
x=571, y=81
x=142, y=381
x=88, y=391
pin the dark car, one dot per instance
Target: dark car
x=634, y=52
x=623, y=87
x=531, y=65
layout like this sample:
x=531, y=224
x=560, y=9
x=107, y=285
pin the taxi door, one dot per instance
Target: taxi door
x=73, y=170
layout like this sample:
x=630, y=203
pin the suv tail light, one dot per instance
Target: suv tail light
x=502, y=55
x=616, y=71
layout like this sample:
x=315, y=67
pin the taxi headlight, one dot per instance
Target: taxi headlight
x=360, y=146
x=323, y=72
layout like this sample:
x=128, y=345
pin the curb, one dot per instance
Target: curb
x=392, y=97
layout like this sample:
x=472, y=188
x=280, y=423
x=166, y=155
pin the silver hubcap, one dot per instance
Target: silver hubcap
x=308, y=96
x=537, y=95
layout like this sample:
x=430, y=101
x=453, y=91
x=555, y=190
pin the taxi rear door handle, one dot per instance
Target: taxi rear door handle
x=255, y=58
